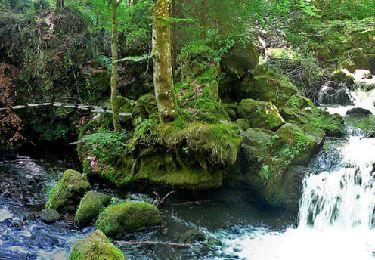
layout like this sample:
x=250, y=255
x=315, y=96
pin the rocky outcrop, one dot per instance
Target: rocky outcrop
x=240, y=60
x=267, y=158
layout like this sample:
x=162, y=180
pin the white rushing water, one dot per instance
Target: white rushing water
x=337, y=209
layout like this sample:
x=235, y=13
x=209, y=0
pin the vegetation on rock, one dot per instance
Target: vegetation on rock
x=65, y=196
x=95, y=246
x=90, y=207
x=117, y=220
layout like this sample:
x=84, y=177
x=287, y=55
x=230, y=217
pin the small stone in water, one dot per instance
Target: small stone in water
x=49, y=216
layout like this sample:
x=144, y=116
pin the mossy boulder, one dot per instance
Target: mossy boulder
x=241, y=59
x=301, y=111
x=117, y=220
x=365, y=123
x=267, y=85
x=341, y=80
x=144, y=106
x=266, y=158
x=90, y=207
x=95, y=246
x=49, y=216
x=218, y=143
x=260, y=114
x=66, y=195
x=356, y=59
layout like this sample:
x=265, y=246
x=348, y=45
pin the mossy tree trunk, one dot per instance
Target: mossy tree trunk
x=163, y=78
x=203, y=19
x=60, y=4
x=114, y=48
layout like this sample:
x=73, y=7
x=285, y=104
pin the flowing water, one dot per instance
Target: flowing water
x=337, y=208
x=336, y=218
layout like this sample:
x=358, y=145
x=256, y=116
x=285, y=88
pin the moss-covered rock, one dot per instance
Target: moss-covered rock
x=356, y=59
x=240, y=60
x=365, y=123
x=199, y=66
x=49, y=215
x=95, y=246
x=66, y=195
x=267, y=85
x=144, y=106
x=117, y=220
x=301, y=111
x=90, y=207
x=219, y=143
x=260, y=114
x=266, y=158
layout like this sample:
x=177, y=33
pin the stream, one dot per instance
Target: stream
x=336, y=218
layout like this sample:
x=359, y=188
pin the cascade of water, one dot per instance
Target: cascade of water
x=337, y=207
x=344, y=198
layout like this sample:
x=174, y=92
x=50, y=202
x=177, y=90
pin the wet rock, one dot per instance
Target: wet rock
x=49, y=216
x=90, y=207
x=17, y=223
x=329, y=95
x=117, y=220
x=359, y=112
x=95, y=246
x=193, y=235
x=32, y=216
x=340, y=80
x=66, y=195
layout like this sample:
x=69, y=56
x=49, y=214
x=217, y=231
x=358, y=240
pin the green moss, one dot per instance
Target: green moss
x=95, y=246
x=260, y=114
x=65, y=196
x=218, y=142
x=90, y=206
x=266, y=157
x=300, y=111
x=366, y=124
x=117, y=220
x=167, y=169
x=269, y=86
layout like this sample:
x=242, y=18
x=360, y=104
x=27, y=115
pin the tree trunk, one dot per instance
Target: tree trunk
x=163, y=78
x=60, y=4
x=203, y=19
x=114, y=48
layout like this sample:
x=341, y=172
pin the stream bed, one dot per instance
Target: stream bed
x=335, y=220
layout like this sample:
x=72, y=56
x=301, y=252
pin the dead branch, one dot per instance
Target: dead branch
x=153, y=243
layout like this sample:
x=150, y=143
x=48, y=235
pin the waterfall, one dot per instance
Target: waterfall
x=344, y=198
x=337, y=208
